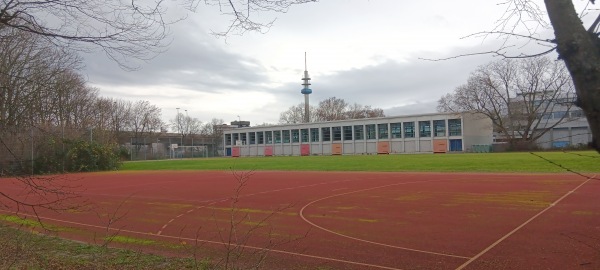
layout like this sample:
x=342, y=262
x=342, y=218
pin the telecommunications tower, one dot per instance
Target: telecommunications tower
x=306, y=91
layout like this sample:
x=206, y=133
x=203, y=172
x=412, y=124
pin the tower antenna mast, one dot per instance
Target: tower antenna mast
x=306, y=91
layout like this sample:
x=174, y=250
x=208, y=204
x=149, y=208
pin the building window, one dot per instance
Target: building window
x=409, y=129
x=314, y=134
x=304, y=135
x=347, y=133
x=269, y=137
x=337, y=133
x=545, y=116
x=227, y=139
x=260, y=137
x=277, y=136
x=371, y=132
x=576, y=113
x=236, y=138
x=243, y=138
x=396, y=129
x=252, y=138
x=559, y=115
x=326, y=134
x=454, y=127
x=295, y=135
x=424, y=129
x=359, y=132
x=439, y=128
x=383, y=131
x=286, y=136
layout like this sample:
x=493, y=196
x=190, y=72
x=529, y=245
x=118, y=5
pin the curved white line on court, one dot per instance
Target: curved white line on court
x=213, y=242
x=372, y=242
x=211, y=202
x=187, y=212
x=522, y=225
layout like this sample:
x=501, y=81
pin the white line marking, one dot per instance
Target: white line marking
x=214, y=242
x=521, y=226
x=252, y=194
x=372, y=242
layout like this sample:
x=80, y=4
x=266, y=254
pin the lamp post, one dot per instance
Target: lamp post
x=187, y=128
x=177, y=119
x=178, y=129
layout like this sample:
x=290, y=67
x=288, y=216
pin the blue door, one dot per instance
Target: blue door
x=456, y=145
x=228, y=151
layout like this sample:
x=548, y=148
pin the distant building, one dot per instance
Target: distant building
x=425, y=133
x=573, y=131
x=240, y=123
x=561, y=125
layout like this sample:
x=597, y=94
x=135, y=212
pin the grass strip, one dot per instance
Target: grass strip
x=580, y=161
x=25, y=250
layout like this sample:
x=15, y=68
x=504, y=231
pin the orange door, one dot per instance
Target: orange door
x=336, y=149
x=440, y=146
x=383, y=147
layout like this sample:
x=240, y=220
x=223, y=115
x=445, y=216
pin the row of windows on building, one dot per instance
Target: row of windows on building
x=562, y=114
x=426, y=129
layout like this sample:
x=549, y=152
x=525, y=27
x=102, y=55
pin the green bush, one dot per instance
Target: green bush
x=84, y=156
x=50, y=157
x=57, y=155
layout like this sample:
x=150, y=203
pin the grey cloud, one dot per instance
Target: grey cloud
x=399, y=88
x=194, y=61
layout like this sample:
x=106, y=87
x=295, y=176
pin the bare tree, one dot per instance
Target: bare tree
x=517, y=95
x=186, y=125
x=145, y=120
x=357, y=111
x=121, y=111
x=214, y=130
x=241, y=13
x=295, y=114
x=576, y=42
x=330, y=109
x=178, y=124
x=30, y=71
x=121, y=29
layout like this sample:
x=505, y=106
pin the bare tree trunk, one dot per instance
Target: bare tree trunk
x=580, y=49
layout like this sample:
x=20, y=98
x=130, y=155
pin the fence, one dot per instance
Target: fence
x=36, y=149
x=157, y=151
x=482, y=148
x=33, y=150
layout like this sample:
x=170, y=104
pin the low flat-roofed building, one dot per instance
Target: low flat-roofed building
x=424, y=133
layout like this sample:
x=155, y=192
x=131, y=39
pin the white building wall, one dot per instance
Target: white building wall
x=474, y=130
x=574, y=130
x=477, y=130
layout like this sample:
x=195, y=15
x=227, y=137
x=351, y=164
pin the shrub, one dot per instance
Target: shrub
x=84, y=156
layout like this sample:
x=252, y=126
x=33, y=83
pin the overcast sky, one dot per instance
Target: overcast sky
x=362, y=51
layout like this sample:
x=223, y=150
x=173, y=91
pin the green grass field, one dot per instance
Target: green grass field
x=579, y=161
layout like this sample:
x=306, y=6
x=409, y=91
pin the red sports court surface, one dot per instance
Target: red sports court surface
x=349, y=220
